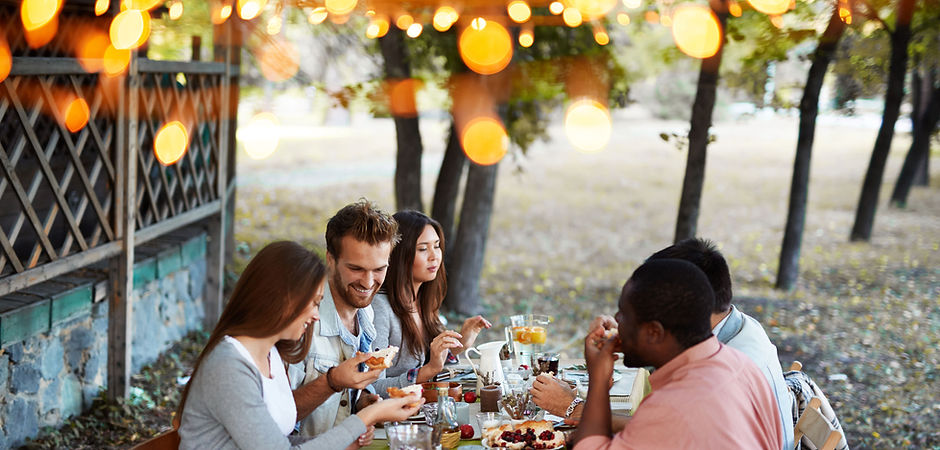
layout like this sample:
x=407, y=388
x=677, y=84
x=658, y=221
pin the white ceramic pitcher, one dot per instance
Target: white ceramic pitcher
x=489, y=366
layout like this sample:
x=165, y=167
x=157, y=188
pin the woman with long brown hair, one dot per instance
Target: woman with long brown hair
x=239, y=395
x=407, y=308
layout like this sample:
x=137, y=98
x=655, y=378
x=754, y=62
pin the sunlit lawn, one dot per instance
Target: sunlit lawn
x=568, y=229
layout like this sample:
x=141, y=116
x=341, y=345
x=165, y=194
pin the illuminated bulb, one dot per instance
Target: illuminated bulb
x=377, y=27
x=225, y=12
x=91, y=50
x=444, y=18
x=404, y=21
x=572, y=17
x=593, y=9
x=526, y=39
x=130, y=29
x=519, y=11
x=734, y=9
x=317, y=16
x=770, y=7
x=556, y=8
x=587, y=125
x=623, y=19
x=340, y=7
x=249, y=9
x=696, y=31
x=176, y=10
x=6, y=59
x=101, y=7
x=632, y=4
x=601, y=37
x=115, y=61
x=485, y=48
x=76, y=115
x=37, y=13
x=414, y=30
x=170, y=143
x=261, y=136
x=274, y=25
x=484, y=141
x=220, y=12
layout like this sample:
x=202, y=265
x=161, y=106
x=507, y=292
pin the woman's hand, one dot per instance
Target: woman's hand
x=443, y=343
x=471, y=329
x=364, y=439
x=551, y=394
x=391, y=410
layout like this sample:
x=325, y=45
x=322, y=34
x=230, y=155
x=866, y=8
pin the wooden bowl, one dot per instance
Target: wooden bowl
x=454, y=390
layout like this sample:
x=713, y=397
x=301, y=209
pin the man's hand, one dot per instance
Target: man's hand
x=471, y=329
x=599, y=358
x=347, y=374
x=366, y=399
x=551, y=394
x=604, y=321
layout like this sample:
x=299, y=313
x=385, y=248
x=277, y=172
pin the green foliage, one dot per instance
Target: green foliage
x=170, y=39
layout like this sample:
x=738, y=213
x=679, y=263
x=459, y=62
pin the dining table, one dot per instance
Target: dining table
x=629, y=387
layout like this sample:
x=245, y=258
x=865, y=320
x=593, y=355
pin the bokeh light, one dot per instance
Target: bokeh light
x=260, y=136
x=572, y=17
x=6, y=59
x=221, y=10
x=484, y=141
x=651, y=17
x=632, y=4
x=519, y=11
x=845, y=14
x=274, y=25
x=770, y=7
x=92, y=44
x=115, y=61
x=665, y=20
x=378, y=27
x=414, y=30
x=143, y=5
x=623, y=19
x=696, y=31
x=76, y=114
x=340, y=7
x=734, y=9
x=130, y=29
x=176, y=10
x=249, y=9
x=594, y=9
x=279, y=60
x=588, y=125
x=444, y=18
x=101, y=6
x=170, y=143
x=404, y=21
x=526, y=38
x=556, y=7
x=317, y=16
x=37, y=13
x=487, y=50
x=777, y=20
x=401, y=97
x=38, y=37
x=601, y=36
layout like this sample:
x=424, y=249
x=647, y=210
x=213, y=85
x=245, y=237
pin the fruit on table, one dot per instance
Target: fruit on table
x=529, y=335
x=469, y=396
x=466, y=431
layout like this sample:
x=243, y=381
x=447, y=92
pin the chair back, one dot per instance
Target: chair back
x=168, y=440
x=815, y=427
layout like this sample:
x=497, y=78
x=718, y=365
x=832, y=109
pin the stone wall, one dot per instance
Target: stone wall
x=54, y=344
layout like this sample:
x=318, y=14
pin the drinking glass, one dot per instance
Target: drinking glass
x=409, y=437
x=529, y=332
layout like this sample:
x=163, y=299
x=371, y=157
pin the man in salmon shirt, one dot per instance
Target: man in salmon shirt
x=704, y=394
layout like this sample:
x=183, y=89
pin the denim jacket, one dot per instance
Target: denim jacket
x=332, y=343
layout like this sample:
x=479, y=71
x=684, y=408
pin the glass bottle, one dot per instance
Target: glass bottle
x=446, y=419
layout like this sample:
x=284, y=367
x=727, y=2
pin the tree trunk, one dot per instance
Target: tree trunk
x=444, y=205
x=799, y=187
x=920, y=150
x=871, y=187
x=463, y=293
x=702, y=109
x=408, y=136
x=922, y=176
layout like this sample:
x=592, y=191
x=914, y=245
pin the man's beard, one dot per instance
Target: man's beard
x=351, y=298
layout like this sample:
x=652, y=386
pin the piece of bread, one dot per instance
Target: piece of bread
x=395, y=392
x=611, y=333
x=382, y=359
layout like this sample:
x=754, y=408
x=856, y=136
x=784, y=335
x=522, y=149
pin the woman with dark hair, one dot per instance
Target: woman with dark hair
x=239, y=395
x=407, y=307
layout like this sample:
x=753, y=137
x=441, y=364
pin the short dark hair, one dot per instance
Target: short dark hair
x=676, y=294
x=704, y=254
x=364, y=222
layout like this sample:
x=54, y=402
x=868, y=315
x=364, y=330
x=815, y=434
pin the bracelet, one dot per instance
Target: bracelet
x=574, y=403
x=330, y=383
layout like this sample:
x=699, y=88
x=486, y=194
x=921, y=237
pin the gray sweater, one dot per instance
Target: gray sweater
x=226, y=410
x=388, y=332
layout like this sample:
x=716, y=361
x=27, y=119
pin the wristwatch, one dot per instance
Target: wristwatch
x=574, y=403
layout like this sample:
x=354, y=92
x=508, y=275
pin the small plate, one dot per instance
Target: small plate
x=582, y=376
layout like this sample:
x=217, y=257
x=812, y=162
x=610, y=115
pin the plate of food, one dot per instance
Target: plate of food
x=536, y=434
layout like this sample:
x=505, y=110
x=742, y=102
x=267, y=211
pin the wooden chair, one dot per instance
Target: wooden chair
x=168, y=440
x=814, y=426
